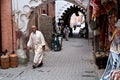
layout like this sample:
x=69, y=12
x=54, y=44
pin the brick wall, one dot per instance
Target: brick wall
x=6, y=26
x=51, y=9
x=46, y=22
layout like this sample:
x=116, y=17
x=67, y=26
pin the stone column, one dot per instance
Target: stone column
x=6, y=26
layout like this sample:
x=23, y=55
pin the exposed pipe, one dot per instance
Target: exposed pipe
x=12, y=29
x=47, y=9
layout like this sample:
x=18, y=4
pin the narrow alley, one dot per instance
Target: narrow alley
x=74, y=62
x=92, y=51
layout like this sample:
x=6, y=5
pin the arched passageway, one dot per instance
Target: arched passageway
x=66, y=16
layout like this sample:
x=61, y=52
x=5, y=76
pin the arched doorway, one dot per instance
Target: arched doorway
x=77, y=23
x=66, y=17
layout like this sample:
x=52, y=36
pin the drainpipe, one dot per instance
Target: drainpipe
x=12, y=29
x=47, y=9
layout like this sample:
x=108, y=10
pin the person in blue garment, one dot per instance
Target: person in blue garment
x=113, y=62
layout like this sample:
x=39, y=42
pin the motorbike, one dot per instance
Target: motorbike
x=56, y=43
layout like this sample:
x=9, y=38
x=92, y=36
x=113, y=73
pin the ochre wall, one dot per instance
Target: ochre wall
x=6, y=25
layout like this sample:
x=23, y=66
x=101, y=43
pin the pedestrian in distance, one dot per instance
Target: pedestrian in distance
x=66, y=32
x=37, y=43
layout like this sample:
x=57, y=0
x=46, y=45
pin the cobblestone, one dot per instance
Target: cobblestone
x=74, y=62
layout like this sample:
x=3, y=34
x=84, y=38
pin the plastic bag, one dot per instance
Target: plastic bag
x=22, y=56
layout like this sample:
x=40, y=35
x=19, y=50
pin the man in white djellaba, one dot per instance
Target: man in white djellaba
x=37, y=43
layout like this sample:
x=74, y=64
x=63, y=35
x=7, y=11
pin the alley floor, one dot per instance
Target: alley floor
x=74, y=62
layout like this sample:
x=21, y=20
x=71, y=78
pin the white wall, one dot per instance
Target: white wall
x=21, y=10
x=60, y=7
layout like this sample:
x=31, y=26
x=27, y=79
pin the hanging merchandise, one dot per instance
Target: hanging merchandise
x=113, y=62
x=115, y=75
x=90, y=13
x=103, y=21
x=112, y=19
x=101, y=9
x=96, y=8
x=107, y=6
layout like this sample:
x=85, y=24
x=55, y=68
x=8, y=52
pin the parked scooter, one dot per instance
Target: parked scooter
x=83, y=33
x=56, y=43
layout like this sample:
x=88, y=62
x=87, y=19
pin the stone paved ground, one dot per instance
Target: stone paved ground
x=74, y=62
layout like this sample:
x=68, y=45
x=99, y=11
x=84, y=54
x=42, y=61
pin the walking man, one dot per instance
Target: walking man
x=66, y=32
x=37, y=43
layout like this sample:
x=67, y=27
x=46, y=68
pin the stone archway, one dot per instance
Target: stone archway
x=68, y=13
